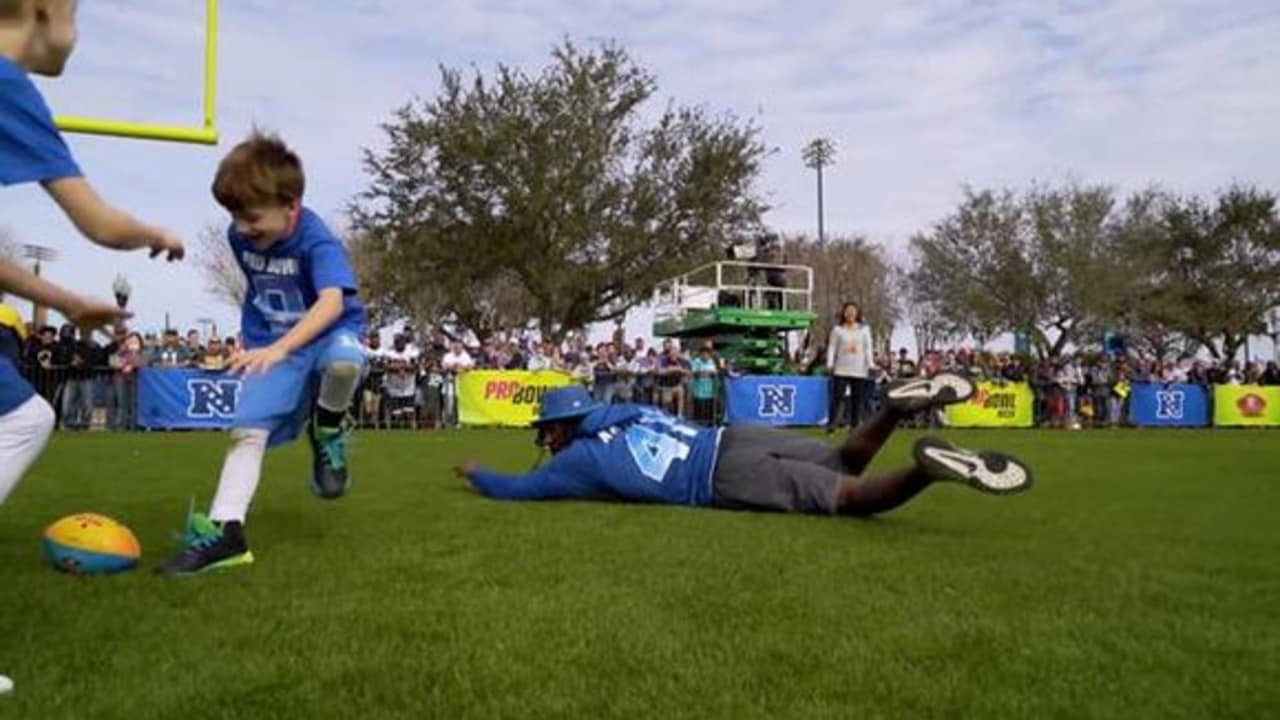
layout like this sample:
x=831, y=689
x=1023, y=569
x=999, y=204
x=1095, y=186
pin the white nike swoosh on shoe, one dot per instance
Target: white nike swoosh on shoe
x=916, y=389
x=959, y=384
x=971, y=467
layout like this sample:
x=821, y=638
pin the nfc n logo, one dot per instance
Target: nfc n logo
x=777, y=401
x=1169, y=405
x=213, y=398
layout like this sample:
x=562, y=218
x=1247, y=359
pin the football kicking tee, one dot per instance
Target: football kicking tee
x=639, y=454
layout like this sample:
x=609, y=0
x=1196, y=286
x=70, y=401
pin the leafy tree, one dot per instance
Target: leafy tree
x=550, y=186
x=848, y=269
x=1066, y=264
x=927, y=318
x=1208, y=269
x=224, y=280
x=977, y=267
x=1141, y=309
x=1074, y=263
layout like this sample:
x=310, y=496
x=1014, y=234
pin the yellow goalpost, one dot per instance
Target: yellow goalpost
x=205, y=134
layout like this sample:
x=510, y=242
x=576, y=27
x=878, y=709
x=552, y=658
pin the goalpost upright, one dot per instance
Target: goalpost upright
x=205, y=134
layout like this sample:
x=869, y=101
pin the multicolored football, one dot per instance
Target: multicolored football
x=91, y=544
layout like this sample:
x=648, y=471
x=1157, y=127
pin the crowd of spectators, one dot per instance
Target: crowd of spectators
x=414, y=385
x=412, y=380
x=1081, y=390
x=83, y=374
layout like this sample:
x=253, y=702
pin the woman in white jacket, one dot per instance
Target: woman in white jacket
x=849, y=353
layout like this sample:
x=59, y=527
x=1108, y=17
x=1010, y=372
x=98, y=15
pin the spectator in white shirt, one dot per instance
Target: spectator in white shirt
x=1069, y=378
x=454, y=362
x=849, y=353
x=541, y=358
x=400, y=382
x=457, y=359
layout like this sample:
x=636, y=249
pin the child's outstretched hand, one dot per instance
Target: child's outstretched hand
x=167, y=244
x=257, y=361
x=91, y=314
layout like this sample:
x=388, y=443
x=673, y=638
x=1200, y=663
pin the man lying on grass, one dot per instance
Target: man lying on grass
x=637, y=453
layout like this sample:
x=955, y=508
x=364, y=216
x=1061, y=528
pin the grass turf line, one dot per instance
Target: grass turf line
x=1139, y=579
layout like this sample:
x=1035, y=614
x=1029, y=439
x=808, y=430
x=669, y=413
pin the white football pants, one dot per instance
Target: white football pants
x=23, y=435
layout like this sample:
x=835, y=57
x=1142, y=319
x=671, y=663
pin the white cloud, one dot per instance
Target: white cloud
x=921, y=97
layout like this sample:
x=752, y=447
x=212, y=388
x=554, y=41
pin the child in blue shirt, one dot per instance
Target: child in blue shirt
x=302, y=358
x=38, y=36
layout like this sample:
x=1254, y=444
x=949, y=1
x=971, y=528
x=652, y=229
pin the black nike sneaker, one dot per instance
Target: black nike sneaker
x=208, y=546
x=990, y=472
x=915, y=394
x=330, y=476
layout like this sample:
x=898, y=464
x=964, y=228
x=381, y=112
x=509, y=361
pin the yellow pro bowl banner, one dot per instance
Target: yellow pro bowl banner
x=995, y=405
x=504, y=397
x=1246, y=406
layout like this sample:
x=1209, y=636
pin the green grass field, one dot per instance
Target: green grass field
x=1140, y=578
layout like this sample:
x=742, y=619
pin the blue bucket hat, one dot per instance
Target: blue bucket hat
x=565, y=403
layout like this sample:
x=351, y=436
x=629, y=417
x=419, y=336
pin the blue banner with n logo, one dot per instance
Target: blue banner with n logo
x=180, y=399
x=1175, y=405
x=776, y=400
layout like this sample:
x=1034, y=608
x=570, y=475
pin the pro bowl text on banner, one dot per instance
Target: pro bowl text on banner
x=504, y=397
x=994, y=405
x=180, y=399
x=776, y=400
x=1246, y=406
x=1157, y=405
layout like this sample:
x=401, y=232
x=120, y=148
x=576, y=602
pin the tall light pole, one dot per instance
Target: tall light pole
x=818, y=154
x=39, y=254
x=208, y=325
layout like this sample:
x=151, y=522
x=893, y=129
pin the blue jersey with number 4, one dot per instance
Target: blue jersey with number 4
x=631, y=452
x=285, y=279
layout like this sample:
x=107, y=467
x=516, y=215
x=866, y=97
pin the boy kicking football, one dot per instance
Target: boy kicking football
x=303, y=360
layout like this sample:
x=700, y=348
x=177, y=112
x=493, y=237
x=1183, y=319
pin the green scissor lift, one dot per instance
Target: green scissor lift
x=733, y=304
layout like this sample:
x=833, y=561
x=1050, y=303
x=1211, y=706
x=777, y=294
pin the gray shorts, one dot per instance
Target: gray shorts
x=762, y=468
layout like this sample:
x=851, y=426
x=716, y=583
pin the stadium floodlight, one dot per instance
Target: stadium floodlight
x=122, y=290
x=206, y=134
x=208, y=325
x=40, y=254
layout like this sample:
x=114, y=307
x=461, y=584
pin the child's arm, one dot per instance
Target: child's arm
x=87, y=313
x=106, y=225
x=326, y=311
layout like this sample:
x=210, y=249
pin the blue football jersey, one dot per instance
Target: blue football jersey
x=630, y=452
x=285, y=279
x=31, y=148
x=14, y=389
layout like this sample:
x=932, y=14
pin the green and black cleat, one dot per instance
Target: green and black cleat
x=330, y=475
x=208, y=546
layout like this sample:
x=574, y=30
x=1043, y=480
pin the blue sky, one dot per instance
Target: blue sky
x=921, y=98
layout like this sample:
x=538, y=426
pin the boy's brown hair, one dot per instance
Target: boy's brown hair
x=259, y=171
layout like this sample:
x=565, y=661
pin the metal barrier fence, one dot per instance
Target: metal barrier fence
x=87, y=398
x=106, y=399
